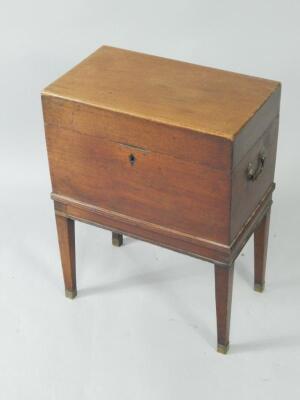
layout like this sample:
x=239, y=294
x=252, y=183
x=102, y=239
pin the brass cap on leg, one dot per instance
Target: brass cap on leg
x=71, y=294
x=116, y=242
x=117, y=239
x=259, y=287
x=223, y=348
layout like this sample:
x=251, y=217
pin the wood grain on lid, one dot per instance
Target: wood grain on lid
x=202, y=99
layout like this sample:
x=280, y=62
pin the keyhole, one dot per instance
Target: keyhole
x=132, y=159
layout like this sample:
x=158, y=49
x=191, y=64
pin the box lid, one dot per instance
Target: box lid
x=202, y=99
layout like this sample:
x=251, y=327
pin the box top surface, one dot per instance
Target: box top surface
x=202, y=99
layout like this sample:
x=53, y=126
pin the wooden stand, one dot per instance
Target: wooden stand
x=223, y=289
x=223, y=272
x=261, y=236
x=66, y=239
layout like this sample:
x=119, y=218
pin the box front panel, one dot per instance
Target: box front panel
x=157, y=188
x=214, y=152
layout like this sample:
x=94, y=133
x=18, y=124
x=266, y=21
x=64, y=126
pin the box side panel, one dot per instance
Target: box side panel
x=259, y=164
x=256, y=126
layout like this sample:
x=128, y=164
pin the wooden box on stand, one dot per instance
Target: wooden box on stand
x=172, y=153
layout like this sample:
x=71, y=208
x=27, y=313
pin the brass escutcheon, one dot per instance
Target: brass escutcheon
x=132, y=159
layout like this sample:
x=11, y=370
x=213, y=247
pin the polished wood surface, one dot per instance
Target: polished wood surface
x=174, y=154
x=153, y=188
x=202, y=99
x=261, y=235
x=223, y=294
x=145, y=134
x=245, y=193
x=157, y=234
x=66, y=240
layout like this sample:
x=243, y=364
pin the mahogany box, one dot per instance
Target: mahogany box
x=168, y=152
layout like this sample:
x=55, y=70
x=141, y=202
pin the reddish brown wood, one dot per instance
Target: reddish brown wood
x=130, y=130
x=261, y=235
x=66, y=239
x=250, y=226
x=157, y=234
x=246, y=194
x=142, y=230
x=253, y=129
x=201, y=99
x=159, y=150
x=223, y=290
x=99, y=172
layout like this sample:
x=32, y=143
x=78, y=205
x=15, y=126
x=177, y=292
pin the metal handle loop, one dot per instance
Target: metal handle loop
x=252, y=173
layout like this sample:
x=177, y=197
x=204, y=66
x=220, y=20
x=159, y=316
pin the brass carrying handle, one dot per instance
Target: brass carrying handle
x=252, y=173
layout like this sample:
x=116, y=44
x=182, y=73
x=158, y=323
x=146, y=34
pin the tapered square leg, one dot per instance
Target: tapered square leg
x=66, y=239
x=117, y=239
x=261, y=236
x=223, y=288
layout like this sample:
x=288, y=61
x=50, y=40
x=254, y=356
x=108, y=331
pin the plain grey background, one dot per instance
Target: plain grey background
x=143, y=325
